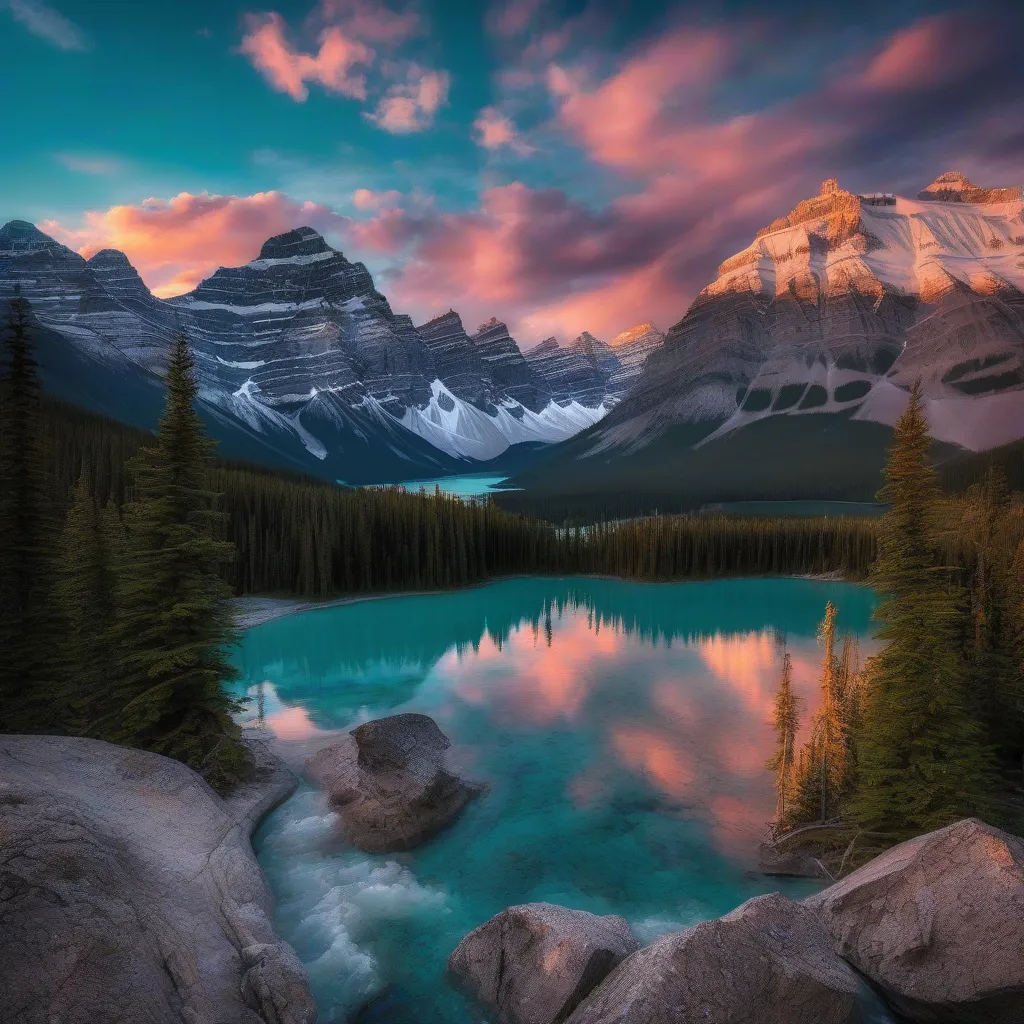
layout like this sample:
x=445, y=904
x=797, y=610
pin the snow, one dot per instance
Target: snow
x=464, y=431
x=263, y=307
x=255, y=365
x=292, y=261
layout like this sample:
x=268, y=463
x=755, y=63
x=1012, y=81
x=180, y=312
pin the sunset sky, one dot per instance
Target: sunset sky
x=563, y=166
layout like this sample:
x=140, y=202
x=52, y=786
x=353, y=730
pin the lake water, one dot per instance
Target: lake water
x=623, y=728
x=463, y=486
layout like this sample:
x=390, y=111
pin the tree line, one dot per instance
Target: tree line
x=931, y=728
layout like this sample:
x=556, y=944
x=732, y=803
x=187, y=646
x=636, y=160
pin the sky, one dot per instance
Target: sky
x=564, y=166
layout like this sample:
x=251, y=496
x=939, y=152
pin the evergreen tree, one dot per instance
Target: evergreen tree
x=86, y=593
x=922, y=762
x=28, y=630
x=786, y=722
x=175, y=626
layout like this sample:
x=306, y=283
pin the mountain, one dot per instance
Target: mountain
x=825, y=320
x=301, y=361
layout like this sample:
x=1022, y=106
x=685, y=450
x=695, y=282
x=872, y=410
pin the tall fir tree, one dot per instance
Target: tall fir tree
x=175, y=627
x=29, y=669
x=922, y=760
x=87, y=595
x=786, y=722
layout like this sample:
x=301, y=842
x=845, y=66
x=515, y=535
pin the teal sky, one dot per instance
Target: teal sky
x=564, y=166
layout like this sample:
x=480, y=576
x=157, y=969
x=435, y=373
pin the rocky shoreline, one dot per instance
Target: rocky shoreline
x=129, y=891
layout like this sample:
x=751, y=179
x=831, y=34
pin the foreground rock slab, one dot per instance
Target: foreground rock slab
x=390, y=784
x=534, y=963
x=769, y=961
x=938, y=924
x=129, y=892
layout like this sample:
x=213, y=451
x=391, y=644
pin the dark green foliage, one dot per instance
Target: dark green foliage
x=757, y=400
x=29, y=669
x=789, y=395
x=174, y=629
x=90, y=547
x=852, y=390
x=922, y=759
x=815, y=397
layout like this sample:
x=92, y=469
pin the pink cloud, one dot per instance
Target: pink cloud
x=508, y=18
x=288, y=70
x=930, y=52
x=367, y=199
x=372, y=22
x=175, y=243
x=410, y=106
x=495, y=131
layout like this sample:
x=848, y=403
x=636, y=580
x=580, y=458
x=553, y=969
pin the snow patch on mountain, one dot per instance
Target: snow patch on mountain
x=464, y=431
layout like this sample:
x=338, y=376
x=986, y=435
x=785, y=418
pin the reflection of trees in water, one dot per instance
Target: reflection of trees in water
x=373, y=647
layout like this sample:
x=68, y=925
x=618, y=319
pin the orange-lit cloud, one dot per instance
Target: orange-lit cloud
x=333, y=66
x=174, y=243
x=493, y=130
x=410, y=106
x=367, y=199
x=291, y=724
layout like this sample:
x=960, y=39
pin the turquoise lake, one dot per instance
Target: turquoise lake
x=623, y=728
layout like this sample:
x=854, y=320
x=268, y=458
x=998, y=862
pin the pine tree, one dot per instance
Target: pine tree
x=827, y=734
x=86, y=593
x=28, y=628
x=786, y=722
x=175, y=627
x=921, y=758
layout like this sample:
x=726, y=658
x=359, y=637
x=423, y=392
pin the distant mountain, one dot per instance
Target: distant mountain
x=299, y=355
x=826, y=319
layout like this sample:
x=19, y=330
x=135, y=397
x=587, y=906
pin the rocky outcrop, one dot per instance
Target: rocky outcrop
x=770, y=960
x=533, y=964
x=632, y=348
x=938, y=924
x=507, y=368
x=566, y=375
x=129, y=892
x=954, y=187
x=390, y=783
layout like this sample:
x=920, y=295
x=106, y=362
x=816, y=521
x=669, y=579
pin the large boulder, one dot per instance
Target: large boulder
x=129, y=892
x=770, y=960
x=390, y=783
x=938, y=924
x=534, y=963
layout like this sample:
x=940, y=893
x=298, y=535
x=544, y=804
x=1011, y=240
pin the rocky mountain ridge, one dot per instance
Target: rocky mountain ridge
x=299, y=349
x=839, y=307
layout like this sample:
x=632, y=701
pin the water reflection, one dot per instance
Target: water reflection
x=623, y=728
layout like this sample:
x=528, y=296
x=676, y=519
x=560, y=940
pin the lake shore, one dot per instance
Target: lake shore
x=255, y=610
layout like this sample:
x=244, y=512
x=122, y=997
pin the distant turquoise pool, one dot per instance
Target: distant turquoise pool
x=623, y=728
x=463, y=486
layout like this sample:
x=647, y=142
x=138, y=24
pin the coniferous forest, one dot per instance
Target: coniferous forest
x=931, y=728
x=119, y=549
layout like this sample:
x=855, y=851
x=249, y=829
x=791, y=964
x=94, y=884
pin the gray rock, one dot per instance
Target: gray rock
x=938, y=924
x=389, y=782
x=129, y=891
x=566, y=375
x=769, y=961
x=535, y=963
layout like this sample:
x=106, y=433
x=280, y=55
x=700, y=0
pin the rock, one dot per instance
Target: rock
x=275, y=984
x=769, y=961
x=534, y=963
x=389, y=783
x=129, y=892
x=938, y=924
x=795, y=864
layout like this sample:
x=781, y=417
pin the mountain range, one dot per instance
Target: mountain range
x=302, y=362
x=787, y=371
